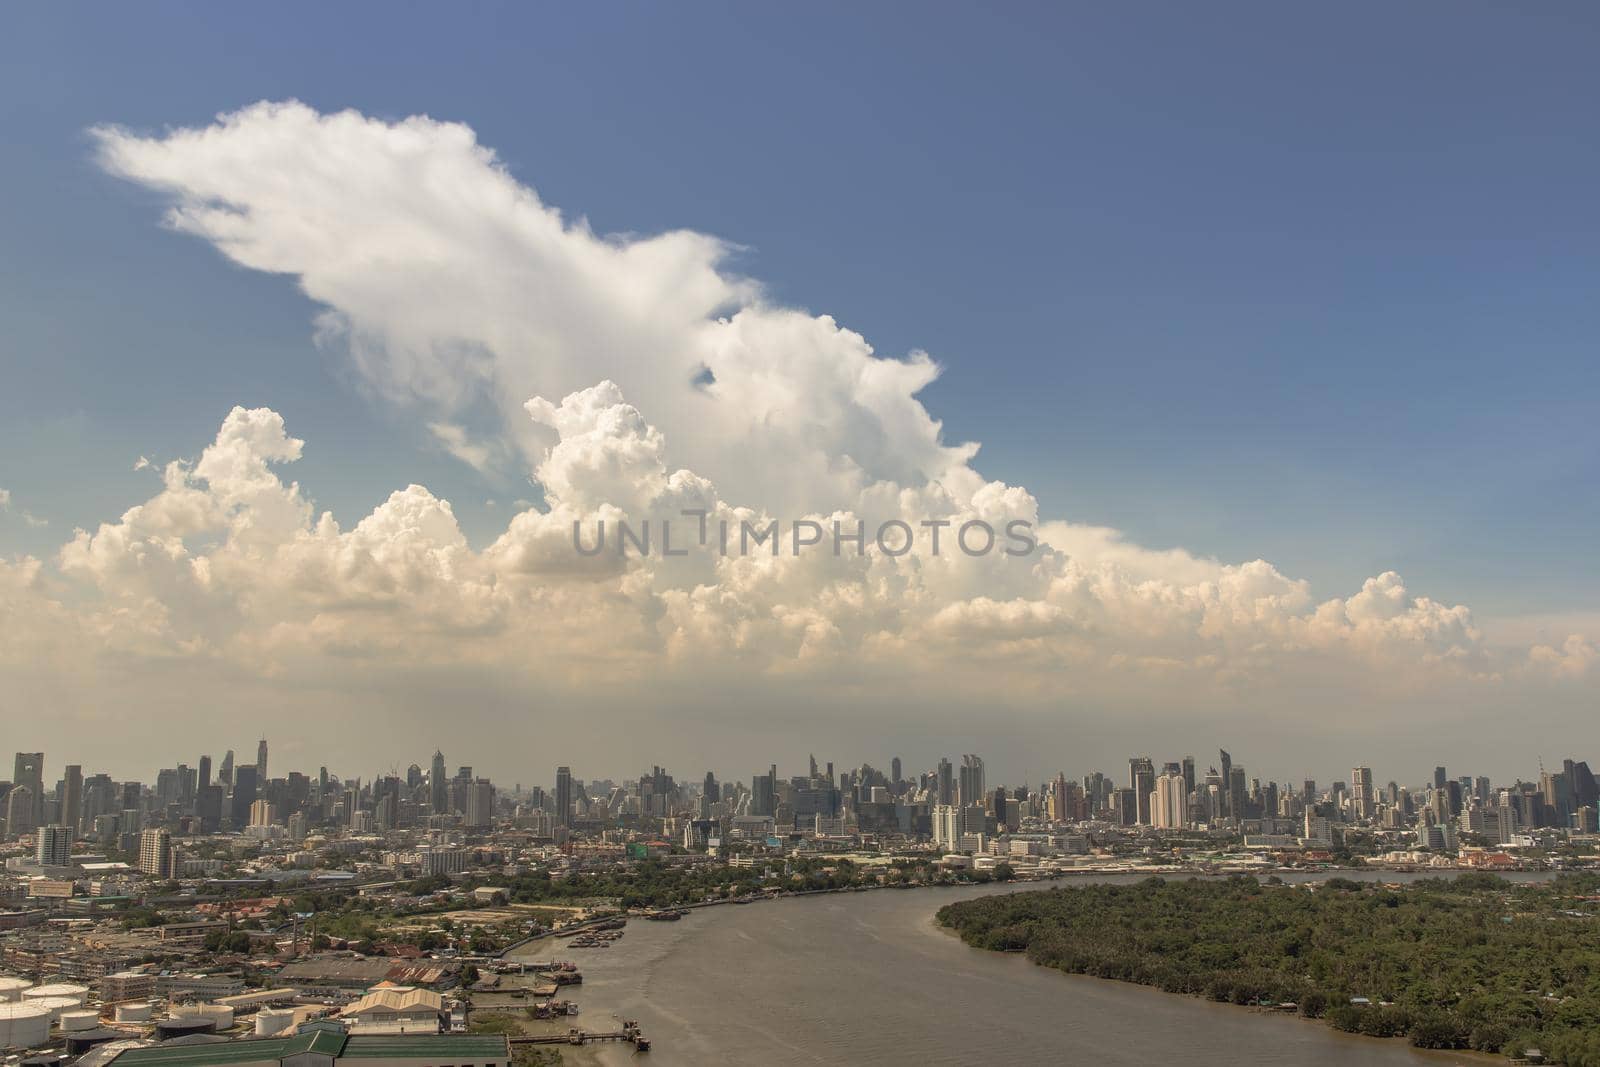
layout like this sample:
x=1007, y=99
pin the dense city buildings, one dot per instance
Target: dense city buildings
x=259, y=890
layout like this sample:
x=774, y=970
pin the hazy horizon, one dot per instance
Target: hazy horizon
x=311, y=374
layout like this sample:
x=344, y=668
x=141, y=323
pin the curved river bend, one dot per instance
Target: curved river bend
x=868, y=978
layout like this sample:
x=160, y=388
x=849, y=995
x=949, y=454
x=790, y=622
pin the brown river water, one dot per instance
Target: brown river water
x=868, y=978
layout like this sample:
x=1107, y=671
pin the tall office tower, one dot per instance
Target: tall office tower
x=946, y=781
x=30, y=772
x=1308, y=792
x=1169, y=800
x=1439, y=777
x=1142, y=780
x=1236, y=795
x=1227, y=777
x=479, y=814
x=225, y=773
x=261, y=762
x=1057, y=804
x=1556, y=790
x=563, y=796
x=894, y=771
x=1585, y=790
x=710, y=790
x=971, y=783
x=204, y=776
x=414, y=779
x=19, y=811
x=155, y=851
x=99, y=798
x=438, y=786
x=764, y=793
x=1188, y=775
x=262, y=813
x=72, y=797
x=1363, y=801
x=244, y=795
x=54, y=848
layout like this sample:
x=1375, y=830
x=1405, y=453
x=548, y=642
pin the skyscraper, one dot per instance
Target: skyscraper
x=1169, y=801
x=764, y=793
x=205, y=774
x=30, y=772
x=72, y=797
x=563, y=796
x=19, y=811
x=971, y=781
x=438, y=787
x=54, y=848
x=225, y=773
x=1227, y=779
x=1363, y=801
x=1142, y=780
x=261, y=762
x=155, y=849
x=244, y=795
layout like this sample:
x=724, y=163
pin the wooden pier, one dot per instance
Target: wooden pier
x=629, y=1034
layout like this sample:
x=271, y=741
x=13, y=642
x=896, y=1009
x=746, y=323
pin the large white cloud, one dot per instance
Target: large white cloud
x=633, y=378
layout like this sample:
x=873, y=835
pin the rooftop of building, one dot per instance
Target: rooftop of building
x=320, y=1040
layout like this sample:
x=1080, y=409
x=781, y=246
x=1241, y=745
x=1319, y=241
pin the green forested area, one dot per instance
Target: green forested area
x=1473, y=962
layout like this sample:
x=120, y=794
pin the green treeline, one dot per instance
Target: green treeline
x=1467, y=963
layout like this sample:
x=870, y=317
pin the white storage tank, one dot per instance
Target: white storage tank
x=135, y=1011
x=11, y=988
x=220, y=1014
x=54, y=1006
x=23, y=1025
x=270, y=1021
x=78, y=993
x=82, y=1019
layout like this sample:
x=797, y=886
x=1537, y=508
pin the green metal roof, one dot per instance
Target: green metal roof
x=325, y=1040
x=377, y=1046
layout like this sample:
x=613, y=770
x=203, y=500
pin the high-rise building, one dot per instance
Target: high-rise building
x=479, y=813
x=764, y=792
x=970, y=786
x=205, y=775
x=1363, y=801
x=261, y=762
x=244, y=794
x=30, y=772
x=72, y=797
x=563, y=796
x=438, y=785
x=262, y=813
x=894, y=771
x=155, y=851
x=1227, y=777
x=945, y=789
x=225, y=772
x=19, y=811
x=1237, y=807
x=1169, y=801
x=1142, y=780
x=54, y=847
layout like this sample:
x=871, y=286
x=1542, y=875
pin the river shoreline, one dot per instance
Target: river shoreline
x=1455, y=1056
x=822, y=977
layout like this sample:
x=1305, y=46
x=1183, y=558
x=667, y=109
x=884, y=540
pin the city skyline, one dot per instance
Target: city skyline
x=971, y=778
x=316, y=366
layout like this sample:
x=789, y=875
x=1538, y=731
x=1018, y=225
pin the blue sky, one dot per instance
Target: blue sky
x=1249, y=279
